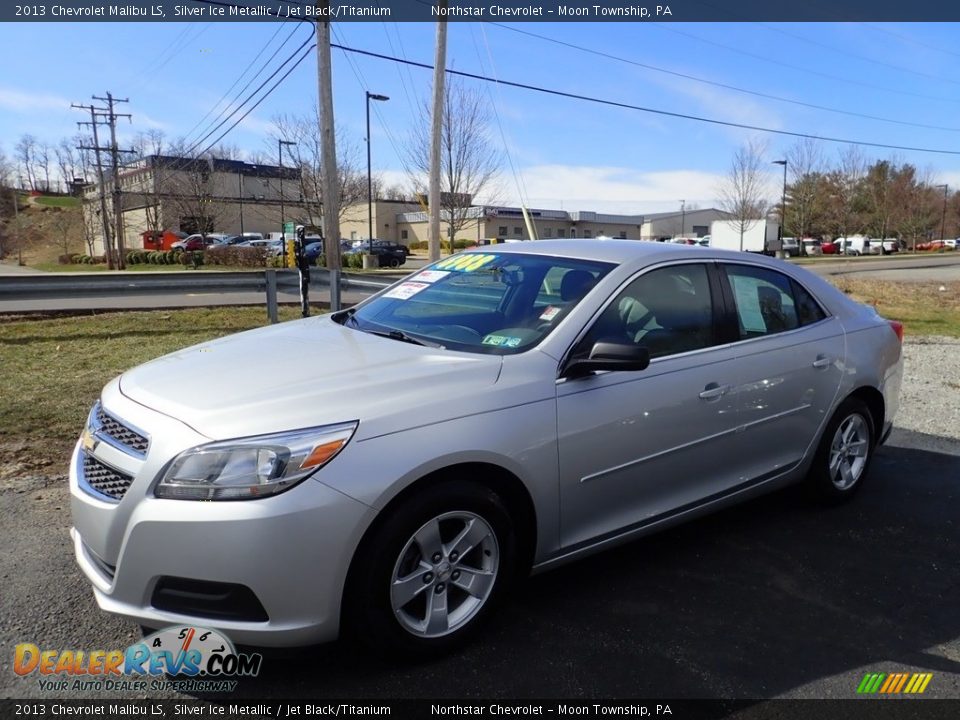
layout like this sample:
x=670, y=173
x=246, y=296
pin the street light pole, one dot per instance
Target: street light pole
x=382, y=98
x=943, y=217
x=683, y=216
x=783, y=210
x=240, y=191
x=283, y=219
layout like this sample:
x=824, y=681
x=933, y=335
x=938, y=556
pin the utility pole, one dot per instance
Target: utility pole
x=112, y=235
x=101, y=187
x=115, y=169
x=328, y=152
x=436, y=127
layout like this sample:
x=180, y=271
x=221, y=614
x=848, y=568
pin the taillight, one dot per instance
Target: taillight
x=897, y=328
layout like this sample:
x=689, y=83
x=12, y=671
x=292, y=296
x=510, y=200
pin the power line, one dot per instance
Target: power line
x=628, y=106
x=725, y=86
x=262, y=98
x=828, y=76
x=241, y=76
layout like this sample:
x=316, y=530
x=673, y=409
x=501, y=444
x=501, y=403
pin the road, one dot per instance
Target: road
x=774, y=598
x=938, y=268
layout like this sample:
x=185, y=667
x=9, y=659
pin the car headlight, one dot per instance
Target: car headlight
x=253, y=467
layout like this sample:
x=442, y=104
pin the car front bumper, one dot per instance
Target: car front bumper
x=291, y=551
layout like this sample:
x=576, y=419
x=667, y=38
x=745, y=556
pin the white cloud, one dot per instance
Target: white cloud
x=23, y=102
x=613, y=189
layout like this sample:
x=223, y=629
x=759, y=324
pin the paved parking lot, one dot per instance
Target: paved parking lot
x=770, y=599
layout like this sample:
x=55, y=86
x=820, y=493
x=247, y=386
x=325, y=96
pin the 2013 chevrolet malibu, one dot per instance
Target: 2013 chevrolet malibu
x=391, y=469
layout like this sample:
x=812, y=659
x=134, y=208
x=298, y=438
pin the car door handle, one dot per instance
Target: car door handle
x=714, y=391
x=822, y=361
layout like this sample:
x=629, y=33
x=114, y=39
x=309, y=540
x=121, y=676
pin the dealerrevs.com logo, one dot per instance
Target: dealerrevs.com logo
x=196, y=658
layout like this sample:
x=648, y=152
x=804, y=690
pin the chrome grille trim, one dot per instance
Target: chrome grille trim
x=120, y=435
x=98, y=478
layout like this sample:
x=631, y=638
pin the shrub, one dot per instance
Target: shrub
x=64, y=259
x=234, y=256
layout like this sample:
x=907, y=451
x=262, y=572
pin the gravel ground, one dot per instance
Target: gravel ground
x=930, y=395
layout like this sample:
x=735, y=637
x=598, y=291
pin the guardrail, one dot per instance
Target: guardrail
x=105, y=285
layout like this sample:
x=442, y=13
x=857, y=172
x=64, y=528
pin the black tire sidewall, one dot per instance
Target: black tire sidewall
x=819, y=480
x=369, y=615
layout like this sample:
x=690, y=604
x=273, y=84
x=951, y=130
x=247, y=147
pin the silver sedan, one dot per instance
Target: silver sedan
x=395, y=468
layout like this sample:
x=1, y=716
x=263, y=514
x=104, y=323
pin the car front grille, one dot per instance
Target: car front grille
x=120, y=433
x=105, y=479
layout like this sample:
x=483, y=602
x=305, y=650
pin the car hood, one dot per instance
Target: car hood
x=308, y=373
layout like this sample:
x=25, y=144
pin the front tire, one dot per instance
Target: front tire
x=844, y=454
x=426, y=580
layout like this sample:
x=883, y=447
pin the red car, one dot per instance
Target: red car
x=829, y=248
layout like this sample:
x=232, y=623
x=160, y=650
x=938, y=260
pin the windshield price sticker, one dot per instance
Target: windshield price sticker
x=550, y=313
x=406, y=290
x=501, y=341
x=429, y=276
x=465, y=263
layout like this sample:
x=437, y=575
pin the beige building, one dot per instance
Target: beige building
x=407, y=223
x=163, y=192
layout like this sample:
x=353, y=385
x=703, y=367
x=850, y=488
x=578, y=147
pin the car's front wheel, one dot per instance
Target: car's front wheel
x=428, y=576
x=844, y=454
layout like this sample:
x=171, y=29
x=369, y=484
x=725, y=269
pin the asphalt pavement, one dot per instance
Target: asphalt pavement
x=775, y=598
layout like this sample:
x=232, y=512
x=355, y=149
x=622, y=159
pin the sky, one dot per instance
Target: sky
x=568, y=153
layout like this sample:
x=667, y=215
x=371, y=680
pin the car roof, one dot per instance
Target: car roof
x=612, y=250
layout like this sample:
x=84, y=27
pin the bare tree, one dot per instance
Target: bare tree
x=743, y=193
x=6, y=170
x=920, y=204
x=879, y=194
x=307, y=208
x=806, y=192
x=191, y=192
x=844, y=207
x=26, y=151
x=149, y=146
x=43, y=164
x=469, y=160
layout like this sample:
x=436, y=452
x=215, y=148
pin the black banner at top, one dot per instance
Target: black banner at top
x=482, y=10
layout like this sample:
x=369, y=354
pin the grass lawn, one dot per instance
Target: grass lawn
x=54, y=369
x=922, y=307
x=56, y=201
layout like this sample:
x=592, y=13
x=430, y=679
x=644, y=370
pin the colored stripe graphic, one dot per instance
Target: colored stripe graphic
x=894, y=683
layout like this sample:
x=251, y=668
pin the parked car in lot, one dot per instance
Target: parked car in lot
x=499, y=411
x=312, y=251
x=791, y=246
x=812, y=246
x=386, y=256
x=195, y=242
x=829, y=248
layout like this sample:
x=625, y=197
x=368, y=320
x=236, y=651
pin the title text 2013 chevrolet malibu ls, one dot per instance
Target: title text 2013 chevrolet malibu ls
x=390, y=469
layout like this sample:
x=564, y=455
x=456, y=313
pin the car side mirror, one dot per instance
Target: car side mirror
x=606, y=355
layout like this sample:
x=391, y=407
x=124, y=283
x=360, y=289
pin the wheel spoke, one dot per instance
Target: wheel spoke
x=474, y=582
x=406, y=589
x=846, y=473
x=472, y=535
x=428, y=539
x=438, y=617
x=848, y=430
x=835, y=458
x=858, y=448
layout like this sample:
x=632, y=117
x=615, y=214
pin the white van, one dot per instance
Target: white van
x=857, y=245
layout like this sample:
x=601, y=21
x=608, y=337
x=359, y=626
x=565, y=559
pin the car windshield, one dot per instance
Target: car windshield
x=481, y=302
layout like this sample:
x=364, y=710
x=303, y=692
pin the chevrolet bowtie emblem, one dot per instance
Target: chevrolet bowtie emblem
x=88, y=441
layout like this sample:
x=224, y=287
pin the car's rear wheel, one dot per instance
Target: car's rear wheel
x=844, y=454
x=428, y=577
x=394, y=263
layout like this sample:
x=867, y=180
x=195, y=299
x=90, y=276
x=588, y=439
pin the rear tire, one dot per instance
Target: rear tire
x=844, y=454
x=428, y=578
